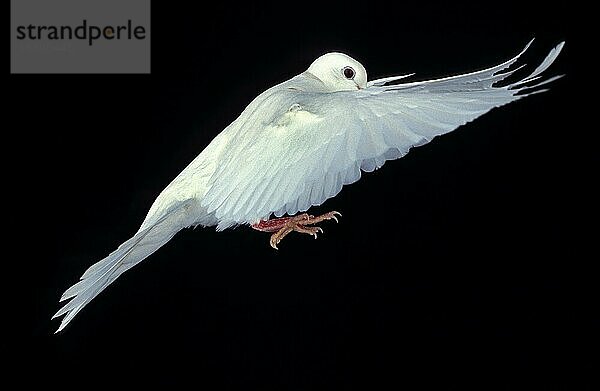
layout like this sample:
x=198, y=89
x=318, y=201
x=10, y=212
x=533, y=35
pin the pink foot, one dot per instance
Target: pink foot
x=300, y=223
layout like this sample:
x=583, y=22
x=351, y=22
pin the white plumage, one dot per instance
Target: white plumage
x=298, y=143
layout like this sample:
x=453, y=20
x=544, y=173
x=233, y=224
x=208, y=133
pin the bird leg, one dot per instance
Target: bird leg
x=303, y=223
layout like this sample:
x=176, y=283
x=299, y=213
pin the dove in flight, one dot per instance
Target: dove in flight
x=296, y=145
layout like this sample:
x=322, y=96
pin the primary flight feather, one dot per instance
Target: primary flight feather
x=297, y=144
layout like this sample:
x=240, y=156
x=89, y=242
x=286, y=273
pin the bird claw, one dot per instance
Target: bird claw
x=303, y=224
x=333, y=215
x=317, y=230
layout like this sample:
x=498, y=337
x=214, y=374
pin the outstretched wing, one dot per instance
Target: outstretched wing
x=305, y=155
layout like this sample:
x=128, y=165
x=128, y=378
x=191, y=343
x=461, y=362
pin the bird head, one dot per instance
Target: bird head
x=339, y=72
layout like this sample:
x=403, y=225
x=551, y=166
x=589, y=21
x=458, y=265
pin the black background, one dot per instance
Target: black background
x=462, y=264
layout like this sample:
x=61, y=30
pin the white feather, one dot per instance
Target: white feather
x=129, y=254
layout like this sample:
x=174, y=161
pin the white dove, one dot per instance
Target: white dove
x=296, y=145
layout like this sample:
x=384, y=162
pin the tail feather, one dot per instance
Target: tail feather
x=130, y=253
x=103, y=267
x=118, y=252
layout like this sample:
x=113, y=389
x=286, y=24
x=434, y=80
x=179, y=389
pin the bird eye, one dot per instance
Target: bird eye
x=348, y=72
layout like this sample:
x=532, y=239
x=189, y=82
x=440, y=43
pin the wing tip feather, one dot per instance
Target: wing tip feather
x=536, y=75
